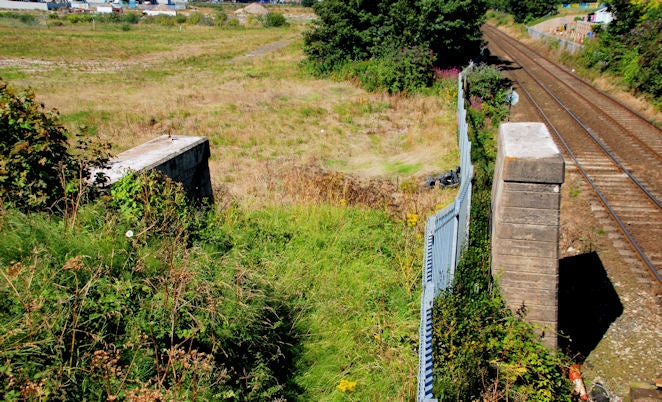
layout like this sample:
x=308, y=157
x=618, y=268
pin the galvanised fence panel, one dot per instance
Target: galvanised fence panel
x=445, y=236
x=570, y=46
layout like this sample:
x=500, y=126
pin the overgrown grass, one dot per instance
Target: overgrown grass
x=282, y=301
x=262, y=113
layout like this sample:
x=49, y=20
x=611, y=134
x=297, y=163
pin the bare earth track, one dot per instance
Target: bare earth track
x=618, y=154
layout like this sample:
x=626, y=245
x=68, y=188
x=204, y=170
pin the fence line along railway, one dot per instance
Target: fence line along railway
x=617, y=151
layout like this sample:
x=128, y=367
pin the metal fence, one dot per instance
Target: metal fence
x=570, y=46
x=445, y=237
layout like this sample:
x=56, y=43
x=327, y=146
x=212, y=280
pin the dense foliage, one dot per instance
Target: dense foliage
x=389, y=38
x=483, y=351
x=37, y=167
x=525, y=11
x=630, y=47
x=272, y=19
x=105, y=312
x=140, y=297
x=300, y=304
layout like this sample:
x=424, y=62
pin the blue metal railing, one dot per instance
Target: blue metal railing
x=445, y=236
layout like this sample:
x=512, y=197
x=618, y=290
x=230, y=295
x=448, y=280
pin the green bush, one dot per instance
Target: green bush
x=358, y=32
x=24, y=18
x=527, y=11
x=165, y=20
x=151, y=202
x=272, y=19
x=220, y=18
x=308, y=3
x=195, y=18
x=131, y=18
x=629, y=48
x=180, y=18
x=403, y=71
x=36, y=166
x=487, y=91
x=76, y=18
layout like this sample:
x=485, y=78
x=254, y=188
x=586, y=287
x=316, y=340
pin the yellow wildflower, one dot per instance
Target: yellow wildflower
x=346, y=386
x=412, y=219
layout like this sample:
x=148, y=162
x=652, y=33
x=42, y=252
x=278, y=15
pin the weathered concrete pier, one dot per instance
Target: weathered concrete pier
x=526, y=201
x=182, y=158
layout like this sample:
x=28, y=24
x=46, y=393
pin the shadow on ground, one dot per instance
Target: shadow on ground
x=588, y=304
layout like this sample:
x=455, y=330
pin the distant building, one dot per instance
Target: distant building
x=601, y=16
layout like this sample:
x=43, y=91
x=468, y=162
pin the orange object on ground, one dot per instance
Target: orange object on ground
x=575, y=376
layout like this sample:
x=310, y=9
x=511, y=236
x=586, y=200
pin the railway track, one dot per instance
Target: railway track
x=617, y=151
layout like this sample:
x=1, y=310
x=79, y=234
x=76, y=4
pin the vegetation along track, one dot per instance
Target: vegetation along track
x=615, y=149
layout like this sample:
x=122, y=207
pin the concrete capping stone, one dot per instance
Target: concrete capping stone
x=529, y=154
x=182, y=158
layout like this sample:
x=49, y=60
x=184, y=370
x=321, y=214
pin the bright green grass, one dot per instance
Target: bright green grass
x=360, y=314
x=345, y=271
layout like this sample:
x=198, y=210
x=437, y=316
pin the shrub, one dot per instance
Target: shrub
x=220, y=18
x=526, y=11
x=38, y=169
x=272, y=19
x=151, y=202
x=364, y=31
x=194, y=18
x=403, y=71
x=487, y=89
x=131, y=18
x=180, y=18
x=629, y=48
x=308, y=3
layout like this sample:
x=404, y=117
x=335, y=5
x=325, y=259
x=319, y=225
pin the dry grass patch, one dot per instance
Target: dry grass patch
x=261, y=113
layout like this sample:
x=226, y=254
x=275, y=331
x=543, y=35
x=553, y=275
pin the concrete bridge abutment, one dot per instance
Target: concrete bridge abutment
x=526, y=200
x=182, y=158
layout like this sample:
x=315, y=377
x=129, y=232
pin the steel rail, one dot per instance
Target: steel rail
x=601, y=196
x=590, y=104
x=580, y=79
x=589, y=132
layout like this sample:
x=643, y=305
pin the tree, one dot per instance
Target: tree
x=626, y=16
x=360, y=30
x=524, y=11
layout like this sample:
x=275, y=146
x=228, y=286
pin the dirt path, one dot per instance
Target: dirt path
x=262, y=50
x=144, y=61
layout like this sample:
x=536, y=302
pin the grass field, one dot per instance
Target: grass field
x=343, y=167
x=261, y=113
